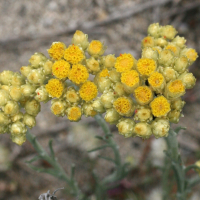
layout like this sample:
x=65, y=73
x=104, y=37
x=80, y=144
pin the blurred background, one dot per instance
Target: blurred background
x=31, y=26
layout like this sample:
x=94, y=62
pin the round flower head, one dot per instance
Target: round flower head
x=143, y=95
x=168, y=32
x=79, y=38
x=15, y=93
x=78, y=74
x=103, y=83
x=124, y=106
x=174, y=116
x=32, y=107
x=181, y=64
x=29, y=120
x=108, y=61
x=96, y=48
x=148, y=42
x=57, y=50
x=146, y=66
x=161, y=42
x=188, y=80
x=107, y=99
x=142, y=130
x=98, y=106
x=177, y=104
x=125, y=127
x=104, y=73
x=19, y=139
x=112, y=116
x=160, y=127
x=156, y=81
x=130, y=79
x=88, y=91
x=179, y=41
x=60, y=69
x=88, y=110
x=175, y=49
x=191, y=54
x=154, y=30
x=160, y=106
x=6, y=77
x=150, y=53
x=73, y=54
x=72, y=95
x=58, y=107
x=93, y=65
x=169, y=73
x=143, y=114
x=54, y=87
x=166, y=58
x=124, y=62
x=74, y=113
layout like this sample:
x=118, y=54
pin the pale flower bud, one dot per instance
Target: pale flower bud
x=174, y=116
x=98, y=106
x=188, y=80
x=32, y=107
x=19, y=139
x=168, y=32
x=142, y=130
x=36, y=76
x=6, y=77
x=29, y=120
x=28, y=90
x=108, y=61
x=92, y=65
x=107, y=99
x=177, y=104
x=149, y=52
x=4, y=97
x=11, y=108
x=17, y=79
x=79, y=38
x=37, y=59
x=103, y=83
x=161, y=42
x=4, y=119
x=119, y=89
x=71, y=95
x=143, y=114
x=166, y=58
x=114, y=76
x=41, y=94
x=6, y=88
x=16, y=93
x=88, y=110
x=154, y=30
x=160, y=127
x=169, y=73
x=25, y=70
x=126, y=127
x=112, y=116
x=18, y=117
x=181, y=64
x=47, y=67
x=179, y=41
x=17, y=128
x=148, y=42
x=58, y=107
x=190, y=53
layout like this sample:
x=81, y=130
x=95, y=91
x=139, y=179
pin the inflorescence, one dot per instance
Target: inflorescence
x=140, y=96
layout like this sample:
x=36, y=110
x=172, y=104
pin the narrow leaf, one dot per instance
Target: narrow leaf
x=51, y=149
x=99, y=148
x=33, y=159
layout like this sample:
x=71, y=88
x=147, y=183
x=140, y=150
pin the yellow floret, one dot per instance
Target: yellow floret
x=176, y=86
x=146, y=66
x=156, y=79
x=96, y=48
x=124, y=62
x=143, y=94
x=104, y=73
x=191, y=54
x=74, y=113
x=78, y=74
x=130, y=78
x=57, y=50
x=122, y=105
x=60, y=69
x=160, y=106
x=173, y=48
x=88, y=91
x=73, y=54
x=54, y=87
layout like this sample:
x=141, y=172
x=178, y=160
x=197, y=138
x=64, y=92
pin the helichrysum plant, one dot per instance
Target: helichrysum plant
x=140, y=96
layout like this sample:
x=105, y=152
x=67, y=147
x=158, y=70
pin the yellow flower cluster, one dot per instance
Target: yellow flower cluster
x=140, y=96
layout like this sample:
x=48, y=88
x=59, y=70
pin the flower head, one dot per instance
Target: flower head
x=57, y=50
x=74, y=113
x=96, y=48
x=143, y=95
x=60, y=69
x=55, y=88
x=104, y=73
x=146, y=66
x=130, y=78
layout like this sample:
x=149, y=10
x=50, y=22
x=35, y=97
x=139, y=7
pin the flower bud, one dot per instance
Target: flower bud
x=174, y=116
x=174, y=48
x=32, y=107
x=17, y=79
x=17, y=128
x=96, y=48
x=160, y=127
x=98, y=106
x=19, y=139
x=108, y=61
x=148, y=42
x=36, y=76
x=119, y=89
x=71, y=95
x=28, y=90
x=112, y=116
x=88, y=110
x=6, y=88
x=126, y=127
x=142, y=130
x=16, y=93
x=41, y=94
x=177, y=104
x=143, y=114
x=56, y=51
x=29, y=120
x=169, y=73
x=37, y=59
x=79, y=38
x=190, y=53
x=92, y=65
x=107, y=99
x=166, y=58
x=179, y=41
x=143, y=95
x=58, y=107
x=154, y=30
x=25, y=70
x=181, y=64
x=150, y=53
x=161, y=42
x=157, y=82
x=4, y=97
x=47, y=67
x=6, y=77
x=188, y=80
x=18, y=117
x=4, y=119
x=74, y=113
x=168, y=32
x=114, y=76
x=103, y=84
x=11, y=108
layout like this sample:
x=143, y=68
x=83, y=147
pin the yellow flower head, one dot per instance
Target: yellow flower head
x=58, y=108
x=143, y=94
x=124, y=62
x=96, y=48
x=156, y=79
x=54, y=87
x=176, y=86
x=148, y=42
x=123, y=105
x=130, y=78
x=173, y=48
x=74, y=113
x=73, y=54
x=60, y=69
x=57, y=50
x=160, y=106
x=146, y=66
x=88, y=91
x=191, y=55
x=78, y=74
x=104, y=73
